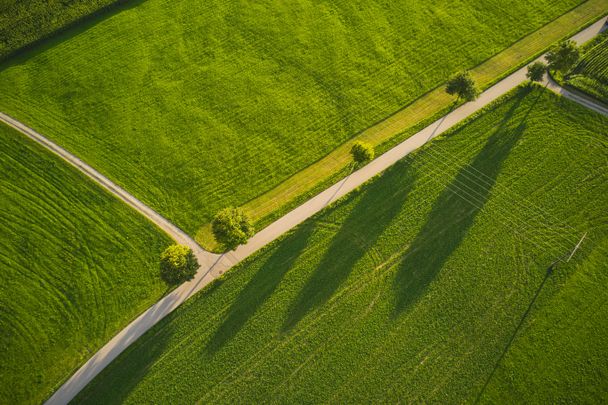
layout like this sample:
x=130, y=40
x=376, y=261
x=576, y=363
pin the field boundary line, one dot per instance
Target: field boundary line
x=212, y=265
x=583, y=100
x=169, y=228
x=387, y=129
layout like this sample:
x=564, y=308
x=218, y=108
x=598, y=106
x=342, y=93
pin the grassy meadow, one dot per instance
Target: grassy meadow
x=76, y=265
x=194, y=106
x=590, y=74
x=23, y=22
x=432, y=283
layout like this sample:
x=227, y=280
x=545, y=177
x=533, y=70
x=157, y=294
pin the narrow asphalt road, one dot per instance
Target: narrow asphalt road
x=580, y=98
x=212, y=266
x=177, y=234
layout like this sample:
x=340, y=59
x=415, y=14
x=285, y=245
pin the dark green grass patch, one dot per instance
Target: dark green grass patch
x=23, y=22
x=76, y=265
x=590, y=74
x=197, y=105
x=433, y=283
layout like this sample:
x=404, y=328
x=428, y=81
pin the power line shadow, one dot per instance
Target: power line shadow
x=454, y=211
x=515, y=332
x=380, y=203
x=261, y=286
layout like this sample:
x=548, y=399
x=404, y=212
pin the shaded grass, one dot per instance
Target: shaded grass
x=76, y=266
x=199, y=106
x=428, y=285
x=23, y=23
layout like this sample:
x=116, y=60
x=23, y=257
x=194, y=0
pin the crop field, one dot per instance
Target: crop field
x=75, y=266
x=194, y=106
x=432, y=283
x=591, y=73
x=23, y=22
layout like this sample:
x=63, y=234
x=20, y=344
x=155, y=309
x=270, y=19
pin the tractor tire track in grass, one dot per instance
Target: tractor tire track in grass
x=223, y=263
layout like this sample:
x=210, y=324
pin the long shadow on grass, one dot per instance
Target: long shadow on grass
x=455, y=209
x=380, y=203
x=123, y=374
x=71, y=30
x=116, y=382
x=261, y=286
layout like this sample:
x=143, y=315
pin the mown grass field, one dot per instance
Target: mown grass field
x=194, y=106
x=430, y=284
x=23, y=22
x=590, y=75
x=75, y=266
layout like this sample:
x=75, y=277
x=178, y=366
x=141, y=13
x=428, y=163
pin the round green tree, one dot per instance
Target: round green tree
x=362, y=152
x=563, y=56
x=178, y=264
x=463, y=86
x=536, y=71
x=231, y=227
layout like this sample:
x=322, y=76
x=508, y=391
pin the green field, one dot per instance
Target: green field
x=23, y=22
x=76, y=265
x=590, y=74
x=429, y=284
x=194, y=106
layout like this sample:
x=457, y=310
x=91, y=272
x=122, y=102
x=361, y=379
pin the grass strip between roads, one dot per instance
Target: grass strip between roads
x=395, y=128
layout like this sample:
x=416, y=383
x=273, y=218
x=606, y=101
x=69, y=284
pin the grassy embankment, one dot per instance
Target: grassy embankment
x=430, y=284
x=76, y=266
x=198, y=106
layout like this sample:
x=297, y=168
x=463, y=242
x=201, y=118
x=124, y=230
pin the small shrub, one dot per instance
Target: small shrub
x=362, y=152
x=178, y=264
x=231, y=227
x=536, y=71
x=463, y=85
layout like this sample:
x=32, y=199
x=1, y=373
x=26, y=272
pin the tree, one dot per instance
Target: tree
x=536, y=71
x=562, y=56
x=178, y=264
x=463, y=85
x=231, y=227
x=362, y=152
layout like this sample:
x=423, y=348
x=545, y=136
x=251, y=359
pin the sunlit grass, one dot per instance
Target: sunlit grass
x=76, y=265
x=430, y=284
x=194, y=106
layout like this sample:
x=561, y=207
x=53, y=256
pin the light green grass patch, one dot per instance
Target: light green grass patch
x=194, y=106
x=430, y=284
x=76, y=265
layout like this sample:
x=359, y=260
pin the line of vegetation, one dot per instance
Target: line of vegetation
x=590, y=74
x=404, y=123
x=432, y=283
x=76, y=265
x=24, y=23
x=232, y=101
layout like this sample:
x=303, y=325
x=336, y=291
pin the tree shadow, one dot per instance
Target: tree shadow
x=122, y=375
x=261, y=286
x=80, y=25
x=380, y=203
x=454, y=211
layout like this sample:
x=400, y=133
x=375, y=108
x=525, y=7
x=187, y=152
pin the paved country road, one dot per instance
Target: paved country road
x=212, y=265
x=576, y=96
x=177, y=234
